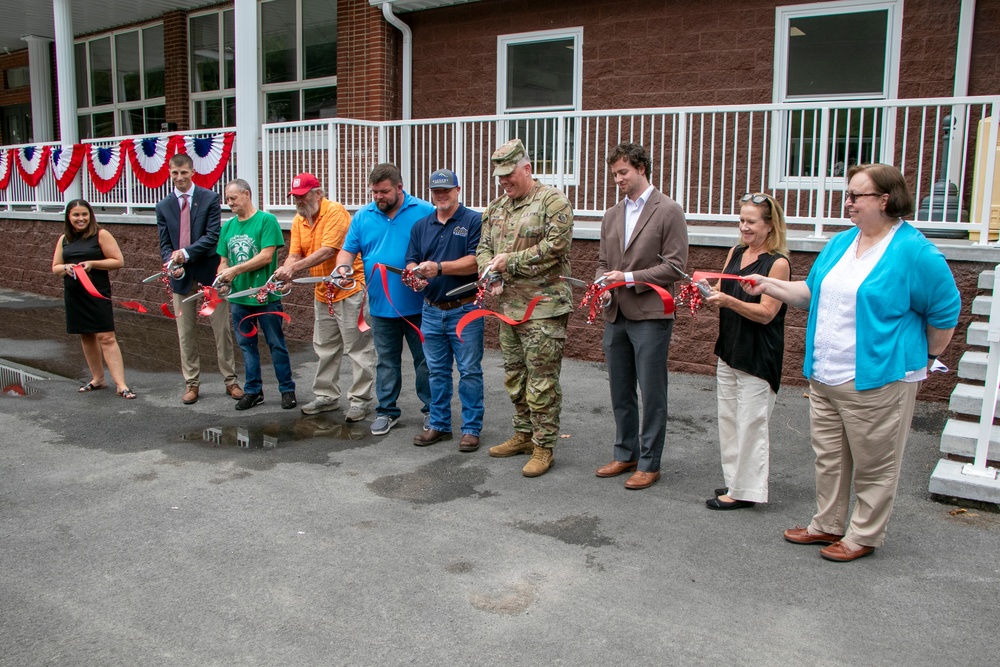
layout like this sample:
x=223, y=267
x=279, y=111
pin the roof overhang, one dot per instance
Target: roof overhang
x=402, y=6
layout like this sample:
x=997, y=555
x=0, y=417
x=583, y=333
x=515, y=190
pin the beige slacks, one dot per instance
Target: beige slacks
x=745, y=405
x=332, y=337
x=187, y=335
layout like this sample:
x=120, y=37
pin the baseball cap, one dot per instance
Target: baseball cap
x=443, y=179
x=506, y=157
x=303, y=183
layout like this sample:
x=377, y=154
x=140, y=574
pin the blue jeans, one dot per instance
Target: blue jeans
x=270, y=325
x=441, y=344
x=388, y=334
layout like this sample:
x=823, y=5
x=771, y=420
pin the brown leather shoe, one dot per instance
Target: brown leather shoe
x=430, y=437
x=190, y=395
x=800, y=535
x=234, y=391
x=616, y=468
x=642, y=480
x=469, y=443
x=839, y=552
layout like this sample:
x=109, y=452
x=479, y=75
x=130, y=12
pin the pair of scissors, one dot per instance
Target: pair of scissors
x=272, y=286
x=487, y=279
x=576, y=282
x=344, y=281
x=221, y=288
x=704, y=289
x=170, y=270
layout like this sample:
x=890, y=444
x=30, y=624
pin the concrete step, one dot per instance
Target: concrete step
x=986, y=280
x=949, y=480
x=967, y=399
x=977, y=334
x=981, y=305
x=959, y=437
x=972, y=365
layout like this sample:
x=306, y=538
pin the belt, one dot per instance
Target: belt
x=450, y=305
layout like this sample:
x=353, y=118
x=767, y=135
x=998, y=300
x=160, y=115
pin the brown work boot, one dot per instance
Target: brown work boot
x=541, y=460
x=520, y=443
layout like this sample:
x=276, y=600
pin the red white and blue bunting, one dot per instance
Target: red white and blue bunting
x=105, y=166
x=210, y=155
x=5, y=169
x=66, y=163
x=150, y=158
x=32, y=163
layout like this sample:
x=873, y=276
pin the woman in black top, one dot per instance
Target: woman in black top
x=750, y=348
x=85, y=247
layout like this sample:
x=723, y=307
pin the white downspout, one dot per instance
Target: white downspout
x=405, y=148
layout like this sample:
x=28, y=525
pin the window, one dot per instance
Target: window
x=16, y=77
x=825, y=53
x=212, y=45
x=540, y=72
x=120, y=83
x=299, y=67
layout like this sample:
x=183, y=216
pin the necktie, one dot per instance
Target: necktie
x=185, y=222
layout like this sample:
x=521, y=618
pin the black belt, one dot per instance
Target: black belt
x=450, y=305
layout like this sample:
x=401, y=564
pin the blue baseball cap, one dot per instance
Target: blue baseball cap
x=443, y=179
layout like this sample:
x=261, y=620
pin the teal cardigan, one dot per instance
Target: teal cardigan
x=910, y=287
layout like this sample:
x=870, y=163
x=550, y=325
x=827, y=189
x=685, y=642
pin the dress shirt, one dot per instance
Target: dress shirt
x=633, y=209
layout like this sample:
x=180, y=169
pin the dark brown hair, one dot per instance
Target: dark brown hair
x=635, y=155
x=182, y=160
x=92, y=228
x=385, y=172
x=888, y=180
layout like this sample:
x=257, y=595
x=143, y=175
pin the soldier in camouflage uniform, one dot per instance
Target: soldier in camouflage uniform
x=526, y=237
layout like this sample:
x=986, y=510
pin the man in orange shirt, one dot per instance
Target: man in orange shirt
x=318, y=232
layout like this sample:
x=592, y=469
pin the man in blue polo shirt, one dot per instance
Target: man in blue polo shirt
x=381, y=233
x=443, y=251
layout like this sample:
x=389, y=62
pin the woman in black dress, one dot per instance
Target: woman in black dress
x=750, y=348
x=86, y=247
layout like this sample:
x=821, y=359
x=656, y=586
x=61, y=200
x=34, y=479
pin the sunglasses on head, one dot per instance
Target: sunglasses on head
x=755, y=199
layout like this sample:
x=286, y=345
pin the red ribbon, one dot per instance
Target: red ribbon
x=379, y=268
x=594, y=297
x=81, y=274
x=705, y=275
x=211, y=300
x=253, y=329
x=474, y=315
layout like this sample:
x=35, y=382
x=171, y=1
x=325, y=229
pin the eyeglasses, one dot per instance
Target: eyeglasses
x=755, y=199
x=853, y=196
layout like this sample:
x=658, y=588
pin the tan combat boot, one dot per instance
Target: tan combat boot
x=520, y=443
x=541, y=460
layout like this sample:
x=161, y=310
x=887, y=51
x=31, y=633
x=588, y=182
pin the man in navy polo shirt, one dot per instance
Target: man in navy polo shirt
x=443, y=252
x=381, y=233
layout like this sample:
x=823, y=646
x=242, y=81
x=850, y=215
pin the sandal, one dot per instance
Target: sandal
x=90, y=386
x=126, y=393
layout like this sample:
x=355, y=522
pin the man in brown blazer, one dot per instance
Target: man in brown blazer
x=643, y=225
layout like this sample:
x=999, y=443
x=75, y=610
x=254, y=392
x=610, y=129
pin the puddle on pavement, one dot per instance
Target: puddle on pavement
x=447, y=478
x=275, y=435
x=581, y=530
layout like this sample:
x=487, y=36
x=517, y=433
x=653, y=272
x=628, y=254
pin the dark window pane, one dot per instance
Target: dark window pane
x=207, y=114
x=100, y=72
x=229, y=49
x=152, y=61
x=319, y=39
x=156, y=116
x=282, y=107
x=540, y=74
x=839, y=54
x=127, y=67
x=104, y=124
x=132, y=122
x=230, y=104
x=277, y=21
x=319, y=103
x=82, y=94
x=83, y=127
x=203, y=40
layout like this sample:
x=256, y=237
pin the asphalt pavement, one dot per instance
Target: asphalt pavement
x=147, y=532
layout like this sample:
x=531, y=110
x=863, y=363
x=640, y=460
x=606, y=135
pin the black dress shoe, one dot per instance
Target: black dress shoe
x=716, y=504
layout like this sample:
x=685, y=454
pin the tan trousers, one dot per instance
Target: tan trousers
x=187, y=335
x=332, y=336
x=745, y=405
x=858, y=437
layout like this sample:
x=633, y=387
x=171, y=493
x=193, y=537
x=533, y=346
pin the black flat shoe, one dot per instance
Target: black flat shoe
x=716, y=504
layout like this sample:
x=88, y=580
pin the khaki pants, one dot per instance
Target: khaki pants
x=745, y=405
x=187, y=335
x=858, y=437
x=332, y=336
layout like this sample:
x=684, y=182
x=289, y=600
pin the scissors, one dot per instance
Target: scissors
x=704, y=289
x=343, y=281
x=221, y=288
x=487, y=278
x=170, y=270
x=272, y=286
x=576, y=282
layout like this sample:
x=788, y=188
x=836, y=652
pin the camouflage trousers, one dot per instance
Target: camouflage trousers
x=532, y=360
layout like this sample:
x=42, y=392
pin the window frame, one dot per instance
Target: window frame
x=221, y=93
x=890, y=86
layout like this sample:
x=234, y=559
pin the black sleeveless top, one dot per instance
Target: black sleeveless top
x=745, y=345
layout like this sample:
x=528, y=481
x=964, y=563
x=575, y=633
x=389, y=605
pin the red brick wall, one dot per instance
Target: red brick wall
x=368, y=67
x=26, y=257
x=175, y=53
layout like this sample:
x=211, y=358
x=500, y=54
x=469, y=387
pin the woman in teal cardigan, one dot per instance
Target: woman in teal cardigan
x=879, y=296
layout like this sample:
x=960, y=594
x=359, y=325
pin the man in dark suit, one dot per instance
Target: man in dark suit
x=188, y=221
x=645, y=224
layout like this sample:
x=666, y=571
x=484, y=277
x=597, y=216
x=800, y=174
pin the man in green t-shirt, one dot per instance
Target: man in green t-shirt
x=247, y=246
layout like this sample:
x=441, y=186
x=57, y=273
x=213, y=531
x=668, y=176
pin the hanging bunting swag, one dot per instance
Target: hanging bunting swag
x=210, y=156
x=150, y=158
x=32, y=162
x=105, y=166
x=66, y=163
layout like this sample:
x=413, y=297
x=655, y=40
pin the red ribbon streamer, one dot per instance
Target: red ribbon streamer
x=211, y=301
x=253, y=330
x=705, y=275
x=81, y=275
x=379, y=268
x=474, y=315
x=668, y=300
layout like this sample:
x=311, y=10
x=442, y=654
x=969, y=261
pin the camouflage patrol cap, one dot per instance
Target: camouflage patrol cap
x=506, y=157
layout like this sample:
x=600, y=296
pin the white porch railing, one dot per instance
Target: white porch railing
x=705, y=157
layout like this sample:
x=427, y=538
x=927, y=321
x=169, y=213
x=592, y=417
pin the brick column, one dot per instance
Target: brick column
x=368, y=63
x=175, y=57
